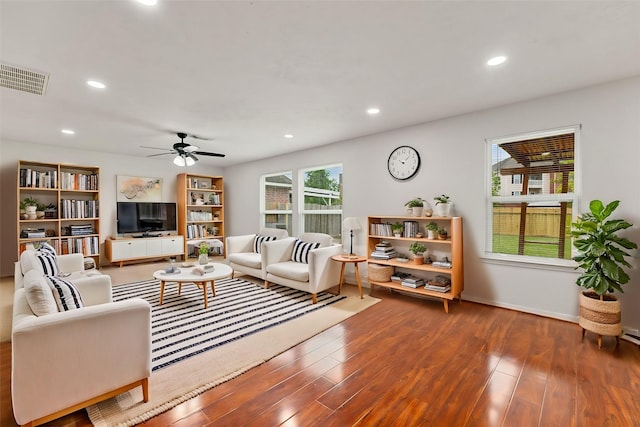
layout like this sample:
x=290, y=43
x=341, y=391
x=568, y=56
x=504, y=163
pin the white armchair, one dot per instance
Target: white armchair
x=66, y=360
x=319, y=274
x=244, y=258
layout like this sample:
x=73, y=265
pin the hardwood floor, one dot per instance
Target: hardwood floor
x=404, y=362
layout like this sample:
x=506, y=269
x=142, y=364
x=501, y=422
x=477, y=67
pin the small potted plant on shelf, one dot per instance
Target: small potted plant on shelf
x=443, y=205
x=417, y=249
x=40, y=210
x=442, y=233
x=30, y=207
x=203, y=253
x=397, y=229
x=416, y=204
x=432, y=228
x=601, y=256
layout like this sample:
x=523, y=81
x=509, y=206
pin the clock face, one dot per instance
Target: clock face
x=403, y=162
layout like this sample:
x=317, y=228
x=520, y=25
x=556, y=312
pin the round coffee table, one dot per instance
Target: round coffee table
x=186, y=275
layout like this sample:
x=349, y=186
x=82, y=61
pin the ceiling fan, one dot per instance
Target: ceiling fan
x=185, y=153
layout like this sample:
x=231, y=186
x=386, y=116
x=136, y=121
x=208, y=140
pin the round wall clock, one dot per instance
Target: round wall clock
x=404, y=162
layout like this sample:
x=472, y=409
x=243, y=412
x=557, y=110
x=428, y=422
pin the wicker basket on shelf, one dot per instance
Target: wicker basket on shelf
x=380, y=273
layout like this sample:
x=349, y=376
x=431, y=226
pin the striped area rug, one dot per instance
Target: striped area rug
x=182, y=328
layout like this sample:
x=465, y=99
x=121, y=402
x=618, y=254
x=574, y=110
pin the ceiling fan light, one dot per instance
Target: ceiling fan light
x=190, y=161
x=179, y=161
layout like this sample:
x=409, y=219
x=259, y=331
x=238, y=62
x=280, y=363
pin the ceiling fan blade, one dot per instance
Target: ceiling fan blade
x=192, y=156
x=159, y=154
x=153, y=148
x=204, y=153
x=190, y=148
x=201, y=138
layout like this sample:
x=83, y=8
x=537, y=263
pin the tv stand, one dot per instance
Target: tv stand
x=140, y=248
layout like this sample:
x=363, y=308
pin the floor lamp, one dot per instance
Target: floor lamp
x=352, y=224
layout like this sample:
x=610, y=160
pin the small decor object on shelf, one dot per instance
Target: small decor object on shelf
x=442, y=233
x=416, y=205
x=397, y=229
x=30, y=207
x=417, y=249
x=203, y=251
x=443, y=205
x=431, y=228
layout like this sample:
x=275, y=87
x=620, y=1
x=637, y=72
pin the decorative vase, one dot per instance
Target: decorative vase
x=203, y=259
x=431, y=234
x=418, y=259
x=443, y=209
x=416, y=211
x=602, y=317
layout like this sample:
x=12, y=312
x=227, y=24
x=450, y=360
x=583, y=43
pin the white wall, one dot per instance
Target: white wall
x=110, y=165
x=452, y=152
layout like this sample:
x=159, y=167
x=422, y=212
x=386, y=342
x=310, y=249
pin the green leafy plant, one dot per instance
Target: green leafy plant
x=432, y=226
x=415, y=203
x=397, y=228
x=601, y=253
x=41, y=206
x=30, y=201
x=203, y=249
x=442, y=231
x=441, y=199
x=417, y=248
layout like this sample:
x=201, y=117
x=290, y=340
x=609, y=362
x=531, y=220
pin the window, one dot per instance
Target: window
x=321, y=200
x=276, y=200
x=531, y=186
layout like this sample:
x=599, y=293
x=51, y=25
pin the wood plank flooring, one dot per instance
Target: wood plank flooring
x=404, y=362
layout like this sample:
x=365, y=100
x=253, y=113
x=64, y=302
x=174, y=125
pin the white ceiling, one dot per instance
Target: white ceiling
x=245, y=73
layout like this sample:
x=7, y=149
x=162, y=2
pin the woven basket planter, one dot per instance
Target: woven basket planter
x=602, y=317
x=380, y=273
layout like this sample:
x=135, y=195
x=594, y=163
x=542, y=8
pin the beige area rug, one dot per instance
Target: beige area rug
x=177, y=383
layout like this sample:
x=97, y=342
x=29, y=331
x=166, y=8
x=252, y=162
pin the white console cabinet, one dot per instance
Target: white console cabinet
x=123, y=250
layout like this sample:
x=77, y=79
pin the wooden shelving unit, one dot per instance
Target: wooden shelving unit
x=452, y=248
x=200, y=209
x=74, y=190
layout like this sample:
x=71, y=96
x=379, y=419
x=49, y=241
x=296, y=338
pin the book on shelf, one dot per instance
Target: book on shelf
x=398, y=276
x=412, y=283
x=383, y=255
x=437, y=288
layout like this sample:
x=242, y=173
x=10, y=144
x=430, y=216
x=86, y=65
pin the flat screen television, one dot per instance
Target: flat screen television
x=145, y=217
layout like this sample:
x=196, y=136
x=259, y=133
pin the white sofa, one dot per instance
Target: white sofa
x=65, y=361
x=242, y=254
x=319, y=274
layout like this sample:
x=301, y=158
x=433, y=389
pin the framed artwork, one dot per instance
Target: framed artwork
x=138, y=189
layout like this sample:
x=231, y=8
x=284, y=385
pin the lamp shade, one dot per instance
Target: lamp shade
x=351, y=223
x=179, y=161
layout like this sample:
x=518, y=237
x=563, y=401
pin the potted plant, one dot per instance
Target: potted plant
x=443, y=205
x=601, y=256
x=442, y=233
x=397, y=229
x=203, y=253
x=416, y=204
x=432, y=228
x=40, y=207
x=417, y=249
x=30, y=206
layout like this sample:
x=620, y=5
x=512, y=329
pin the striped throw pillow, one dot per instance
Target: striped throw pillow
x=65, y=293
x=46, y=247
x=46, y=263
x=301, y=251
x=257, y=242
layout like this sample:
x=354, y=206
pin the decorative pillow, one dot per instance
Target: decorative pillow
x=65, y=293
x=257, y=242
x=41, y=261
x=38, y=293
x=301, y=251
x=46, y=247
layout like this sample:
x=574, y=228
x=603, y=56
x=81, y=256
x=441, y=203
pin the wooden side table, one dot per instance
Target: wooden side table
x=345, y=259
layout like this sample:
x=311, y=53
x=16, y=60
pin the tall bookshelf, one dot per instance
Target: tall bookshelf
x=380, y=230
x=201, y=210
x=71, y=223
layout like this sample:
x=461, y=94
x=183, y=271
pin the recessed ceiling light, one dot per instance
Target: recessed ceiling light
x=96, y=84
x=372, y=111
x=148, y=2
x=288, y=135
x=68, y=131
x=496, y=60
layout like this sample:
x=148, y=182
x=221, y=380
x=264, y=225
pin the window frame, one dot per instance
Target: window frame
x=301, y=198
x=490, y=199
x=263, y=210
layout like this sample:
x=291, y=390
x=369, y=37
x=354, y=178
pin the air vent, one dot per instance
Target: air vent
x=23, y=79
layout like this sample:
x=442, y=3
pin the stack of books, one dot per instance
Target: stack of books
x=445, y=263
x=412, y=282
x=81, y=230
x=398, y=276
x=439, y=284
x=384, y=250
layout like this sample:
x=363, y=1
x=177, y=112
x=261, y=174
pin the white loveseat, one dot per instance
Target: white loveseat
x=65, y=361
x=319, y=273
x=246, y=257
